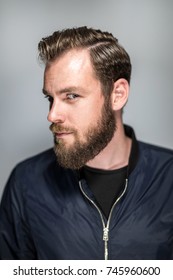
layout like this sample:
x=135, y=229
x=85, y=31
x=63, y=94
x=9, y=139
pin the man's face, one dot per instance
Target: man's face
x=83, y=122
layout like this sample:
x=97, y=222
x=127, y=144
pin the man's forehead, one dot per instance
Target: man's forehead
x=75, y=65
x=73, y=57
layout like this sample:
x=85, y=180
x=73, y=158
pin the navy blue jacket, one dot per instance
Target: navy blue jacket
x=47, y=213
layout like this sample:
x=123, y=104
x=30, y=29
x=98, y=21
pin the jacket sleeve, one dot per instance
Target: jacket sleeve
x=15, y=238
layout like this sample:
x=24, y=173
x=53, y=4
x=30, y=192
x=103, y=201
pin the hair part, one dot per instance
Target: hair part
x=109, y=59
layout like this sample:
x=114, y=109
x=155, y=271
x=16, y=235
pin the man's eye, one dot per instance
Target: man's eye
x=72, y=96
x=49, y=98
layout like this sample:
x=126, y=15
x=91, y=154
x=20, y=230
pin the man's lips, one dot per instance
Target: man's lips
x=62, y=134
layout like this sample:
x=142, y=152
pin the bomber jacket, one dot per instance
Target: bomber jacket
x=48, y=212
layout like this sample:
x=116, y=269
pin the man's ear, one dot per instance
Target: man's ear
x=119, y=94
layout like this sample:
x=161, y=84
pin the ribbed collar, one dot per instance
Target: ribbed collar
x=134, y=153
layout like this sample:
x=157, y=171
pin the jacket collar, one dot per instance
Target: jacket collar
x=134, y=154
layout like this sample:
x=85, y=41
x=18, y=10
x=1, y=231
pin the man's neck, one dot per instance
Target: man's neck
x=116, y=154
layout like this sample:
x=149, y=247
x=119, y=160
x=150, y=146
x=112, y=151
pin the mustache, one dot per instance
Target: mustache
x=59, y=128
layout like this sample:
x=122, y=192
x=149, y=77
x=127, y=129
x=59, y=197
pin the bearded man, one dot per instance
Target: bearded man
x=100, y=193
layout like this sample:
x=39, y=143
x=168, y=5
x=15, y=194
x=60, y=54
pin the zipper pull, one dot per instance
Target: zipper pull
x=105, y=234
x=106, y=238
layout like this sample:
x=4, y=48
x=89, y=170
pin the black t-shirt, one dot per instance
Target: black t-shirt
x=106, y=185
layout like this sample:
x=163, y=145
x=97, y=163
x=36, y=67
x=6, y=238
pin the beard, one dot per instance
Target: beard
x=96, y=139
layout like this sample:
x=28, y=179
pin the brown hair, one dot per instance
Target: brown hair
x=109, y=59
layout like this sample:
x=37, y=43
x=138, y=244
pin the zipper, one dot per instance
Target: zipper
x=105, y=225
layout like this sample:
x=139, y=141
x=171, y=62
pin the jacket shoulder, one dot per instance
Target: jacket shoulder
x=41, y=160
x=156, y=155
x=157, y=149
x=30, y=173
x=33, y=167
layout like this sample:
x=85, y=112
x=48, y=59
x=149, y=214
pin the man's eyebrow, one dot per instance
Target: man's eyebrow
x=64, y=90
x=70, y=89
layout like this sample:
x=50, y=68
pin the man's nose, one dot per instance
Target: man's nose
x=56, y=115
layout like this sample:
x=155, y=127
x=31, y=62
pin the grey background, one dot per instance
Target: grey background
x=144, y=28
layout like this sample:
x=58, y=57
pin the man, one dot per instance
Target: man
x=102, y=194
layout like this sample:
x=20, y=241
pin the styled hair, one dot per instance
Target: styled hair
x=109, y=59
